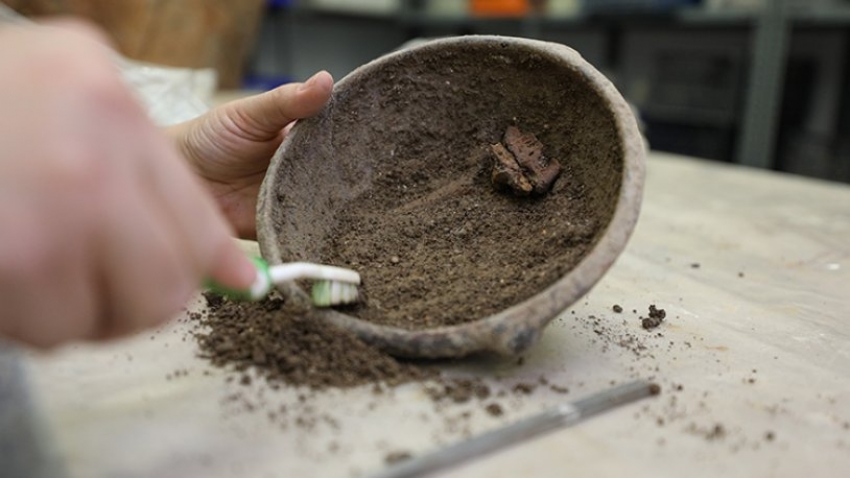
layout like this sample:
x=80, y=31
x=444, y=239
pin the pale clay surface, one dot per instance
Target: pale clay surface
x=112, y=412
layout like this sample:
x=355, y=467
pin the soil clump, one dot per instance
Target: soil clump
x=656, y=316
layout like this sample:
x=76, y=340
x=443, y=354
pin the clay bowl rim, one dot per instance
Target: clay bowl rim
x=537, y=311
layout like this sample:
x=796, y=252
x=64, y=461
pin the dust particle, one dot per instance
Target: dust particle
x=524, y=388
x=559, y=389
x=397, y=457
x=716, y=433
x=495, y=410
x=459, y=390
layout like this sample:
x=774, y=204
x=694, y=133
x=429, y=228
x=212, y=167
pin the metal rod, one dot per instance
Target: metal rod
x=563, y=415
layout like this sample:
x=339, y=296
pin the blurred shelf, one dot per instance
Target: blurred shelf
x=836, y=16
x=699, y=17
x=414, y=19
x=689, y=116
x=821, y=17
x=350, y=11
x=766, y=31
x=710, y=17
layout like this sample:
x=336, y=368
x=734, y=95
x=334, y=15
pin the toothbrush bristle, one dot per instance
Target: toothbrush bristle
x=331, y=293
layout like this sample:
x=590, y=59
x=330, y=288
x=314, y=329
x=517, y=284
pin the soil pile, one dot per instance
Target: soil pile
x=291, y=348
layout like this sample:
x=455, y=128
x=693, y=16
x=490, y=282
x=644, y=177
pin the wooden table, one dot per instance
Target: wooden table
x=753, y=358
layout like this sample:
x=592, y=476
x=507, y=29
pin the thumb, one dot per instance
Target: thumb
x=232, y=268
x=263, y=117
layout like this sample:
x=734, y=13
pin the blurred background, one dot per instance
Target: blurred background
x=756, y=82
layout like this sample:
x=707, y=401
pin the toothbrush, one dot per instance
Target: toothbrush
x=333, y=286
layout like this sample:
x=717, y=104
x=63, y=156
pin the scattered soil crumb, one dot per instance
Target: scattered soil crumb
x=657, y=313
x=559, y=389
x=649, y=323
x=524, y=388
x=656, y=316
x=460, y=390
x=740, y=274
x=617, y=308
x=397, y=457
x=495, y=410
x=716, y=432
x=654, y=389
x=177, y=373
x=770, y=436
x=695, y=265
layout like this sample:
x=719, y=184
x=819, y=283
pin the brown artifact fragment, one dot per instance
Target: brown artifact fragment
x=528, y=151
x=507, y=173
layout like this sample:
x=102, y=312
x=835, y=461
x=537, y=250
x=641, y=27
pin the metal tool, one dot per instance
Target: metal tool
x=563, y=415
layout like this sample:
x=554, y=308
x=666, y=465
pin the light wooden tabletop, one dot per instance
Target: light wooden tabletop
x=753, y=359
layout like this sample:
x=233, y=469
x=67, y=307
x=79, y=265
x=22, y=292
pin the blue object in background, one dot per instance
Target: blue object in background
x=280, y=3
x=264, y=83
x=635, y=6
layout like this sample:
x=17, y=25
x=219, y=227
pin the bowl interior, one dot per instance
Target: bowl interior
x=393, y=178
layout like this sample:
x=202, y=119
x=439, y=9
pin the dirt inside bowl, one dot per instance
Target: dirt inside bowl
x=399, y=172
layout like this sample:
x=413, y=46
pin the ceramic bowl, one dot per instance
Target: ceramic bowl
x=328, y=160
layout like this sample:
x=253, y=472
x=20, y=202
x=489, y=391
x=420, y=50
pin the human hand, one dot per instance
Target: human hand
x=103, y=227
x=230, y=146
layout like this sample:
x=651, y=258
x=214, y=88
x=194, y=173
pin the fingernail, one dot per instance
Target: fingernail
x=309, y=83
x=235, y=270
x=245, y=273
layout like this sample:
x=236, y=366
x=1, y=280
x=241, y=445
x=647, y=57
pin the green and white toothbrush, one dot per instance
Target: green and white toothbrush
x=333, y=285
